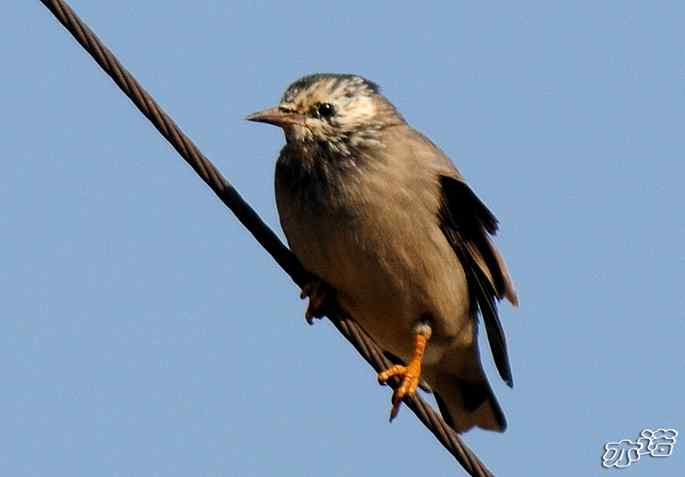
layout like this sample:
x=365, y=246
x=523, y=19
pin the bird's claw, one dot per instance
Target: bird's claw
x=318, y=293
x=410, y=376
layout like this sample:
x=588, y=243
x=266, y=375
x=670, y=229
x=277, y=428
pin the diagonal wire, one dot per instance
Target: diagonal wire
x=363, y=343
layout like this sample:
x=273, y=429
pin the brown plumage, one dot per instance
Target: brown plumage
x=376, y=211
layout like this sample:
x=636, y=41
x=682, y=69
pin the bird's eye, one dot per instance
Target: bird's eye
x=325, y=110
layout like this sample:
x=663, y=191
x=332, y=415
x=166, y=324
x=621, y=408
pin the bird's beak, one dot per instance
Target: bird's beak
x=276, y=116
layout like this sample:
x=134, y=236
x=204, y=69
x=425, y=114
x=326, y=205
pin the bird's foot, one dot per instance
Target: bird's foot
x=410, y=374
x=319, y=294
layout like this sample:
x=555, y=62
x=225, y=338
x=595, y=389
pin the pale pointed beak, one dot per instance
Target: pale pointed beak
x=276, y=116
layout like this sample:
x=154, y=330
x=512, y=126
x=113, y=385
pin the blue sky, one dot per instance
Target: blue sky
x=144, y=332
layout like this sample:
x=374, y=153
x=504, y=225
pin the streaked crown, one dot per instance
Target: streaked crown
x=343, y=110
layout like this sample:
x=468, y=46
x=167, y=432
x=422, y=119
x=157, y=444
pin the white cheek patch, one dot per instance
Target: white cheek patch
x=359, y=110
x=365, y=107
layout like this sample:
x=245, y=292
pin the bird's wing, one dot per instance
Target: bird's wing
x=467, y=224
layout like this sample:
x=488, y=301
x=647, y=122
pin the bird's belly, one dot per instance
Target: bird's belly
x=389, y=276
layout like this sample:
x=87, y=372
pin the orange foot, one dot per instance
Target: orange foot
x=410, y=375
x=318, y=293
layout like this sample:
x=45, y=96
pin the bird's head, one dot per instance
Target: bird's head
x=340, y=111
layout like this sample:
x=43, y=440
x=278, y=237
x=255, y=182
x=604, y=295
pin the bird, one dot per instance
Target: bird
x=389, y=229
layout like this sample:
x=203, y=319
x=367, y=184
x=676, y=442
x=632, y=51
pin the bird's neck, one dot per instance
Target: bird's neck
x=315, y=174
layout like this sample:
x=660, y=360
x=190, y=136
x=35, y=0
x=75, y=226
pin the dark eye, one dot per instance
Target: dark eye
x=325, y=110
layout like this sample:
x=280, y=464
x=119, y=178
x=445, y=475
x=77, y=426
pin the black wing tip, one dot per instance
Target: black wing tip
x=503, y=368
x=497, y=411
x=459, y=227
x=493, y=327
x=453, y=186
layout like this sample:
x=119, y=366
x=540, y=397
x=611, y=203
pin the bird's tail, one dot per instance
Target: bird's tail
x=466, y=400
